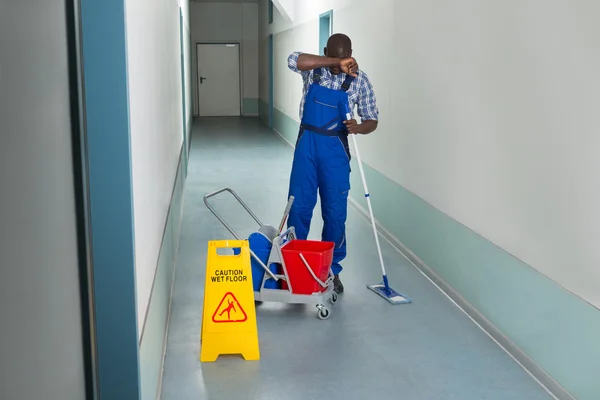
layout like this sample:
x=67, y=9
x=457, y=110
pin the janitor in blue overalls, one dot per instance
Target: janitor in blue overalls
x=332, y=85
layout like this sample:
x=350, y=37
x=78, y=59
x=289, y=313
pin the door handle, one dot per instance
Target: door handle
x=202, y=79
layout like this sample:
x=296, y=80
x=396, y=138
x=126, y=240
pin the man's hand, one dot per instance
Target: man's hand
x=365, y=128
x=349, y=66
x=352, y=126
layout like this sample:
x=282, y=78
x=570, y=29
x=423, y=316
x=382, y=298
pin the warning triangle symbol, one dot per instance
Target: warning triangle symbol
x=229, y=310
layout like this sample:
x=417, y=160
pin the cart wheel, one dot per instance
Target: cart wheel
x=334, y=298
x=323, y=312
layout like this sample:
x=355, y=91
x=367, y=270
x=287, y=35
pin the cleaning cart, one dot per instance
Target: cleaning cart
x=284, y=268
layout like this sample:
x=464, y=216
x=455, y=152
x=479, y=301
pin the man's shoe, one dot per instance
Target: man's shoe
x=337, y=285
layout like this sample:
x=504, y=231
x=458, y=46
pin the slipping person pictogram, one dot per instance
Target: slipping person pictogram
x=227, y=310
x=223, y=312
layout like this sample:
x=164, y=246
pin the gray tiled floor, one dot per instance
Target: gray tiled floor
x=427, y=350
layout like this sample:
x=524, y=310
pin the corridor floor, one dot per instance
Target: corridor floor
x=427, y=350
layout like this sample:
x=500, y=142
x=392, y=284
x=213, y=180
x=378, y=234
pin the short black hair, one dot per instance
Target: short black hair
x=339, y=45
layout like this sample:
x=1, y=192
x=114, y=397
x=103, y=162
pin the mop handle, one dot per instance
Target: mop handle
x=368, y=197
x=286, y=213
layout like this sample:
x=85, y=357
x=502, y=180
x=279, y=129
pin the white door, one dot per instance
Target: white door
x=218, y=80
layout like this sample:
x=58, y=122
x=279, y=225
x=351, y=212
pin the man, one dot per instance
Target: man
x=333, y=86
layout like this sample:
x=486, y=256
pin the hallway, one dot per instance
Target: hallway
x=427, y=350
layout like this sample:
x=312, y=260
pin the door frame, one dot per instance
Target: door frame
x=326, y=16
x=271, y=49
x=241, y=72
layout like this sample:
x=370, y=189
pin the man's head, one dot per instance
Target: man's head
x=338, y=46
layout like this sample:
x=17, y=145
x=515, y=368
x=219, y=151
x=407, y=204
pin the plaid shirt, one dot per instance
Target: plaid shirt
x=360, y=93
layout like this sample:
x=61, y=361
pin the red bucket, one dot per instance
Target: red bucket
x=317, y=254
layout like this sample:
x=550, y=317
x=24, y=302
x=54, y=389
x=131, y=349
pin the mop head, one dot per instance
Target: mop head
x=389, y=294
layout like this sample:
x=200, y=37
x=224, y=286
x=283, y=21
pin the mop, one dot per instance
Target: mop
x=382, y=289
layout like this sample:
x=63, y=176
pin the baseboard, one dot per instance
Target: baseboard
x=153, y=341
x=250, y=106
x=515, y=352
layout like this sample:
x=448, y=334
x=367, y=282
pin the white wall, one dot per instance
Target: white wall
x=489, y=112
x=154, y=69
x=227, y=22
x=187, y=32
x=40, y=312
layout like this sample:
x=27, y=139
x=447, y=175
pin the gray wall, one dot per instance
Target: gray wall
x=40, y=324
x=221, y=22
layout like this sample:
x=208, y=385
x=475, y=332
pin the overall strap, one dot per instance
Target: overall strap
x=322, y=131
x=317, y=75
x=347, y=83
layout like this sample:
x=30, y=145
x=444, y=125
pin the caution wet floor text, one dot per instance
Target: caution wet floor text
x=229, y=314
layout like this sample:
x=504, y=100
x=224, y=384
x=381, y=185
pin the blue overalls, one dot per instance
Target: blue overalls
x=322, y=161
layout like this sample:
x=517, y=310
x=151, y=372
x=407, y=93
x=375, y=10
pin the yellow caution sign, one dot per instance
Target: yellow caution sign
x=229, y=314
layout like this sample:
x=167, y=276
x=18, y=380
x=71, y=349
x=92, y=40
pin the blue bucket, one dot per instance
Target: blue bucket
x=261, y=245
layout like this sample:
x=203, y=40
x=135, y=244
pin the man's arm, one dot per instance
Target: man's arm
x=367, y=109
x=364, y=128
x=302, y=62
x=310, y=61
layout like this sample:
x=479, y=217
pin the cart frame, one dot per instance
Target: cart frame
x=278, y=241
